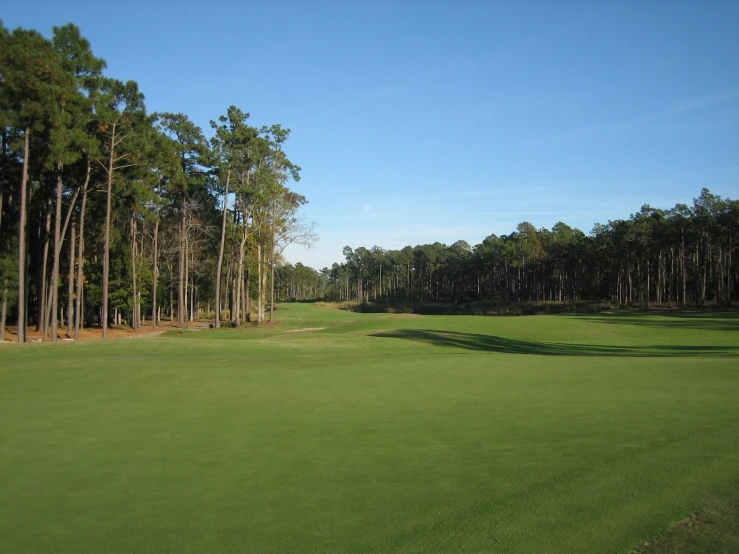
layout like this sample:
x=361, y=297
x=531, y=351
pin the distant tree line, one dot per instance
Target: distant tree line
x=684, y=256
x=108, y=212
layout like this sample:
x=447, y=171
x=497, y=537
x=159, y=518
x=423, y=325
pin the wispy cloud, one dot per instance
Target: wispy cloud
x=353, y=216
x=357, y=101
x=500, y=59
x=659, y=119
x=391, y=237
x=362, y=211
x=493, y=192
x=571, y=212
x=518, y=190
x=711, y=99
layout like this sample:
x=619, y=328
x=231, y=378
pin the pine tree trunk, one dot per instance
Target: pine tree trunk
x=4, y=310
x=240, y=281
x=260, y=299
x=272, y=268
x=272, y=289
x=264, y=286
x=192, y=301
x=190, y=287
x=219, y=266
x=22, y=243
x=244, y=302
x=729, y=284
x=134, y=322
x=241, y=305
x=706, y=263
x=54, y=289
x=661, y=278
x=81, y=257
x=155, y=255
x=106, y=247
x=70, y=283
x=43, y=306
x=247, y=294
x=181, y=283
x=685, y=284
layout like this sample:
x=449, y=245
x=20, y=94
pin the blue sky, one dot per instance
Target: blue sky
x=417, y=122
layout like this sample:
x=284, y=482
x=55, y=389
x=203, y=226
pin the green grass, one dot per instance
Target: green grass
x=714, y=528
x=378, y=433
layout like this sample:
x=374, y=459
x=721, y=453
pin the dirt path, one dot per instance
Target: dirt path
x=11, y=333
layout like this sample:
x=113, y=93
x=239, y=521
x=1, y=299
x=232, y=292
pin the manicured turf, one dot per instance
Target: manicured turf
x=378, y=433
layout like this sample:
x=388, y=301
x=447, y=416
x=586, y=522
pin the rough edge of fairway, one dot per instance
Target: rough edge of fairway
x=714, y=528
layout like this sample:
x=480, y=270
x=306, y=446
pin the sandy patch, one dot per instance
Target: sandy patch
x=305, y=329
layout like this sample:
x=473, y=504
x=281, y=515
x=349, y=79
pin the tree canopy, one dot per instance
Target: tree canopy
x=126, y=214
x=685, y=256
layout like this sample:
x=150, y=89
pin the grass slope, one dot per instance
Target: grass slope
x=376, y=433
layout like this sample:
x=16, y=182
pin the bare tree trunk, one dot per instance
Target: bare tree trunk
x=54, y=288
x=183, y=311
x=106, y=248
x=181, y=283
x=260, y=307
x=685, y=285
x=134, y=322
x=155, y=255
x=70, y=283
x=240, y=279
x=659, y=278
x=272, y=272
x=81, y=257
x=228, y=279
x=247, y=294
x=272, y=290
x=190, y=285
x=2, y=181
x=706, y=263
x=265, y=274
x=4, y=310
x=192, y=301
x=220, y=252
x=236, y=315
x=244, y=302
x=730, y=280
x=232, y=295
x=22, y=244
x=42, y=308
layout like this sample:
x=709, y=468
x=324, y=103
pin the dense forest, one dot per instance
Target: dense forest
x=109, y=213
x=684, y=256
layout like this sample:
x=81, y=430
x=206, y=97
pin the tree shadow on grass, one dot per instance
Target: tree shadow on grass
x=704, y=321
x=491, y=343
